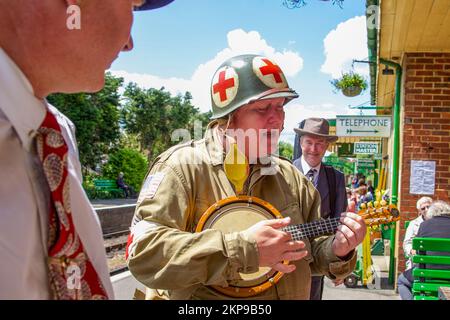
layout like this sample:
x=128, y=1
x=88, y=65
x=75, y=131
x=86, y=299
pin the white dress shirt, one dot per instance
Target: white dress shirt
x=410, y=234
x=306, y=167
x=25, y=195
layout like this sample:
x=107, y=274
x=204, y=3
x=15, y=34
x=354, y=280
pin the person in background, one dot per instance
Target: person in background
x=355, y=182
x=363, y=195
x=352, y=200
x=436, y=225
x=370, y=188
x=121, y=184
x=314, y=141
x=362, y=181
x=422, y=205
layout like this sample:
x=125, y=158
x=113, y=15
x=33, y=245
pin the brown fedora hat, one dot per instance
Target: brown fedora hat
x=316, y=127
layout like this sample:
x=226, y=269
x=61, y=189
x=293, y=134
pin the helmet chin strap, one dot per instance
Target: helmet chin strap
x=235, y=165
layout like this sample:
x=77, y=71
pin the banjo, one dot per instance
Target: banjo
x=238, y=213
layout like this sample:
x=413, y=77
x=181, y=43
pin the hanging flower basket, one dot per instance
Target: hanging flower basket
x=351, y=84
x=352, y=91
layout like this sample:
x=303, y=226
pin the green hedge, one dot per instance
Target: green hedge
x=93, y=193
x=132, y=163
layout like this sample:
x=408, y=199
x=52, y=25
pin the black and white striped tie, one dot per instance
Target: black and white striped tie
x=310, y=175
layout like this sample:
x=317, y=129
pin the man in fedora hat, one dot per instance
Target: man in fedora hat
x=51, y=243
x=314, y=141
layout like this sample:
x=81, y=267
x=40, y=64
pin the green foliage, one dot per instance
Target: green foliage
x=94, y=193
x=286, y=150
x=349, y=79
x=88, y=181
x=91, y=191
x=129, y=140
x=131, y=162
x=154, y=115
x=342, y=164
x=204, y=119
x=96, y=118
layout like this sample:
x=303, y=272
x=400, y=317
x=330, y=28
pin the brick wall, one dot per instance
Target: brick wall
x=426, y=128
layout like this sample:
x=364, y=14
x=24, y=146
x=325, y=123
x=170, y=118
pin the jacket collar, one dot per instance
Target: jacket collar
x=214, y=147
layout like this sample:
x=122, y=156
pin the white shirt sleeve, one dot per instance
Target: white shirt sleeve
x=407, y=242
x=410, y=233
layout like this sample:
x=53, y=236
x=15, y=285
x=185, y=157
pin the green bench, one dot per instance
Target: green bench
x=428, y=280
x=109, y=186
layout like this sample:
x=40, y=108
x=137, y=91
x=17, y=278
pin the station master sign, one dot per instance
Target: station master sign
x=363, y=126
x=366, y=148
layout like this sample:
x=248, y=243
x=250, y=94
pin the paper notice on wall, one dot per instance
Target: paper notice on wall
x=423, y=175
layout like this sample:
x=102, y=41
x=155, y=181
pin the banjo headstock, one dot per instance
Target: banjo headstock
x=374, y=216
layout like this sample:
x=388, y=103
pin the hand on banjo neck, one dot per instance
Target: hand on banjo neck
x=275, y=245
x=277, y=241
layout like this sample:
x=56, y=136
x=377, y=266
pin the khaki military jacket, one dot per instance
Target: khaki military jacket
x=177, y=263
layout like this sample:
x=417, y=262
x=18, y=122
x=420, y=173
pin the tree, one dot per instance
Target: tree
x=129, y=141
x=144, y=114
x=286, y=150
x=131, y=162
x=96, y=118
x=342, y=164
x=153, y=115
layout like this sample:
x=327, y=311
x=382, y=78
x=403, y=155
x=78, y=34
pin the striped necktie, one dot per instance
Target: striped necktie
x=310, y=175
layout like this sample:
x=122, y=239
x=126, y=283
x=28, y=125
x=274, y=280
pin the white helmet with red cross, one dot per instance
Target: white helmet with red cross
x=244, y=79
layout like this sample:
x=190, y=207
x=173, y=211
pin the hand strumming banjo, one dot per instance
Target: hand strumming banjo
x=239, y=213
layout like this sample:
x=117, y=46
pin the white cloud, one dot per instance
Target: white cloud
x=239, y=42
x=344, y=44
x=173, y=85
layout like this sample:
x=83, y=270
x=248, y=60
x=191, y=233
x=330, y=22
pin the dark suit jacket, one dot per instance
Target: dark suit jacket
x=322, y=187
x=436, y=227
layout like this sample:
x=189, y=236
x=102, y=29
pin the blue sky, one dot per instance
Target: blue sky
x=180, y=46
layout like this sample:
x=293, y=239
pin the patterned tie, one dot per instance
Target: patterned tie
x=72, y=276
x=310, y=175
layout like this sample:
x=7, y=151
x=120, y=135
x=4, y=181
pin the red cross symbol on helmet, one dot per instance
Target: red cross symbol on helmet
x=224, y=86
x=269, y=73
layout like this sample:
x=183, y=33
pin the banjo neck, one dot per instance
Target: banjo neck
x=371, y=216
x=313, y=229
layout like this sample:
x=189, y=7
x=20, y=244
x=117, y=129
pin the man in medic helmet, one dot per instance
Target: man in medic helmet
x=248, y=93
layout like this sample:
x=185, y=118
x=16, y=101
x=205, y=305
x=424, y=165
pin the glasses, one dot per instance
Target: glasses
x=424, y=208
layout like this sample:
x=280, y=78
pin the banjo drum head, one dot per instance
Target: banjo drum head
x=236, y=214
